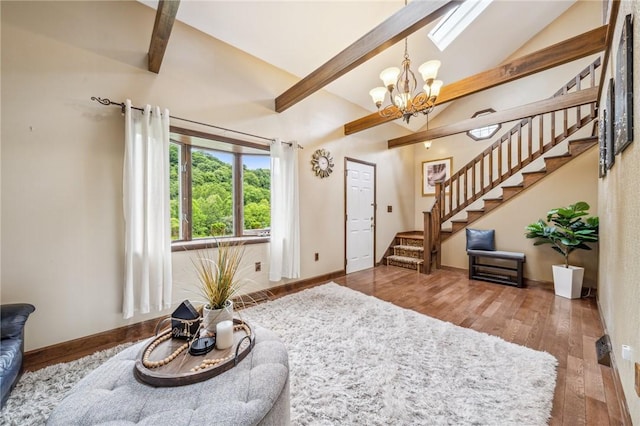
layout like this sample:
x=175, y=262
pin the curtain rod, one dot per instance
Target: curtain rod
x=107, y=102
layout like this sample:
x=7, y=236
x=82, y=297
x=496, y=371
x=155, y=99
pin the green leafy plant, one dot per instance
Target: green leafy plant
x=217, y=273
x=566, y=229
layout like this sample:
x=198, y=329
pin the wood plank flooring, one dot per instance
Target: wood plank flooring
x=532, y=316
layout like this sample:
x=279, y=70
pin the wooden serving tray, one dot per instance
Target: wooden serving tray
x=179, y=372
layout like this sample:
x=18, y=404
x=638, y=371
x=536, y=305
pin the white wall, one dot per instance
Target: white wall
x=576, y=181
x=619, y=202
x=62, y=227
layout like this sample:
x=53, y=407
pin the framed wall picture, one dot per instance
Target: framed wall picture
x=609, y=114
x=602, y=157
x=624, y=87
x=434, y=171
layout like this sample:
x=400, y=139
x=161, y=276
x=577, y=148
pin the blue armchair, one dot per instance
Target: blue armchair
x=12, y=320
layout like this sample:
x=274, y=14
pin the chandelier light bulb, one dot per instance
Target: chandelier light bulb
x=433, y=90
x=389, y=77
x=377, y=94
x=403, y=100
x=429, y=70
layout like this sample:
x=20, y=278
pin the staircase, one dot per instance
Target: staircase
x=516, y=161
x=406, y=251
x=552, y=163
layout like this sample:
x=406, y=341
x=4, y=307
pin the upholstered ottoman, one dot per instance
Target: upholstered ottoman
x=255, y=392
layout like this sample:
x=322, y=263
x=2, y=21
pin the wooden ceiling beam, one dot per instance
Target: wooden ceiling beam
x=165, y=17
x=585, y=44
x=406, y=21
x=557, y=103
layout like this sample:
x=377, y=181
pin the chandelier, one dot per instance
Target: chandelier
x=401, y=85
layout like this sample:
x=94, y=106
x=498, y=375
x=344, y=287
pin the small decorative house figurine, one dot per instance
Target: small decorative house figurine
x=185, y=321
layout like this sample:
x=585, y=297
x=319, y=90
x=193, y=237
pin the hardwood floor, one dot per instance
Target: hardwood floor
x=532, y=316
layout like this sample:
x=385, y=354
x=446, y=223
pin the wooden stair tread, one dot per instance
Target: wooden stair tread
x=516, y=186
x=585, y=140
x=415, y=235
x=543, y=171
x=405, y=259
x=408, y=248
x=561, y=156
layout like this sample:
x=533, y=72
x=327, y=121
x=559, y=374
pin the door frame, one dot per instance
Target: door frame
x=375, y=206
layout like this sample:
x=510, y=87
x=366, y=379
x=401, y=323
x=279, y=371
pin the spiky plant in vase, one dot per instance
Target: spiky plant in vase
x=217, y=281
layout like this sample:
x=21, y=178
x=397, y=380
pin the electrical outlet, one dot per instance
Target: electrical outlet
x=389, y=209
x=638, y=378
x=316, y=257
x=258, y=266
x=627, y=352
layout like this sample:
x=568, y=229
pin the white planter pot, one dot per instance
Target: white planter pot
x=211, y=317
x=568, y=281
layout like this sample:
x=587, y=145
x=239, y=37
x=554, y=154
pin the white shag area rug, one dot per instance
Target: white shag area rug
x=355, y=359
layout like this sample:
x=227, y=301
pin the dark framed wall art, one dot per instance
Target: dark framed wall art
x=602, y=143
x=609, y=135
x=624, y=87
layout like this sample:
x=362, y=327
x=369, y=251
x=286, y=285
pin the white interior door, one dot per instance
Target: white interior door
x=360, y=219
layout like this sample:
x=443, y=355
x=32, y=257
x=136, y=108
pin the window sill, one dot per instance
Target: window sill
x=206, y=243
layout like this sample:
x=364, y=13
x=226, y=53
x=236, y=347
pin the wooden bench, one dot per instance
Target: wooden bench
x=508, y=270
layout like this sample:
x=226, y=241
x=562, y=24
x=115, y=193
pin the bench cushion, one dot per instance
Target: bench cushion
x=497, y=254
x=481, y=239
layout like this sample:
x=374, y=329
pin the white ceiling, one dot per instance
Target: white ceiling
x=299, y=36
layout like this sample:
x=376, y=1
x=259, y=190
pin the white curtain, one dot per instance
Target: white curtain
x=285, y=217
x=146, y=211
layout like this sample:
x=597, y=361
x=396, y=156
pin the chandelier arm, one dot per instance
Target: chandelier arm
x=390, y=111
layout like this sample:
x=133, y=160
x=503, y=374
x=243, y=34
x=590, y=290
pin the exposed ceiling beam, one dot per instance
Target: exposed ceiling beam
x=401, y=24
x=557, y=103
x=585, y=44
x=165, y=17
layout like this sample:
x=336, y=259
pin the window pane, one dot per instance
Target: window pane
x=212, y=193
x=256, y=187
x=174, y=191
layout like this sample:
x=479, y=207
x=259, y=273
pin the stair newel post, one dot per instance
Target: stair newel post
x=436, y=221
x=426, y=242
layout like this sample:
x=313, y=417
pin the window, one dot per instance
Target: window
x=486, y=132
x=218, y=189
x=455, y=22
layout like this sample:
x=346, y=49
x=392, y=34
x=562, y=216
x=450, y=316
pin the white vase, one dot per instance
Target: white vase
x=211, y=317
x=567, y=282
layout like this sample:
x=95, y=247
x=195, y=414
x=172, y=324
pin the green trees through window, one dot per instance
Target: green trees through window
x=212, y=186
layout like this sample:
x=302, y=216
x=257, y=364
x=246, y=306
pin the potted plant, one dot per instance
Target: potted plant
x=566, y=229
x=217, y=281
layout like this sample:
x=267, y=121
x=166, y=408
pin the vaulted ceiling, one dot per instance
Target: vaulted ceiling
x=301, y=36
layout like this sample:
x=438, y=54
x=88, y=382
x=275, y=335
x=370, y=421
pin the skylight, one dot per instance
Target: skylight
x=456, y=21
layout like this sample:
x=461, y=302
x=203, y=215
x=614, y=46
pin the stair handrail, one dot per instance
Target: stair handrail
x=439, y=213
x=448, y=210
